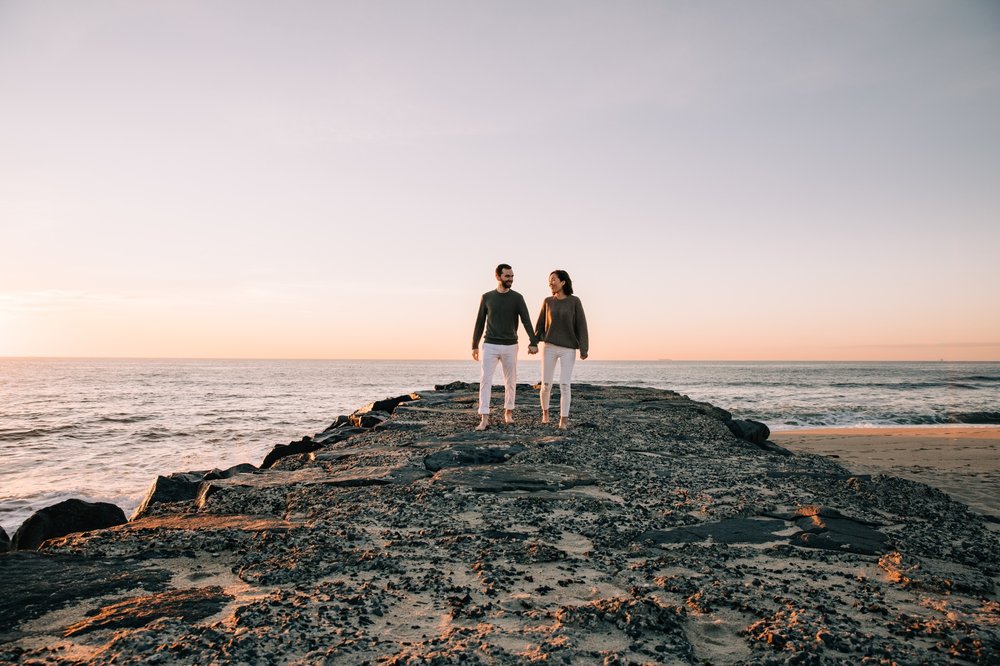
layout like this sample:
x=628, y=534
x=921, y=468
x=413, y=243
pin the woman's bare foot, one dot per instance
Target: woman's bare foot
x=545, y=416
x=563, y=423
x=484, y=422
x=508, y=416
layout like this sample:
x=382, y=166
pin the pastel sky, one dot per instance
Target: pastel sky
x=723, y=180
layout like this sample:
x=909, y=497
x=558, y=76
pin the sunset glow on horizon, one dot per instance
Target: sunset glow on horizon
x=724, y=181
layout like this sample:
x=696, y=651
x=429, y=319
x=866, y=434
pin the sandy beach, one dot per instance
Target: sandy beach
x=962, y=461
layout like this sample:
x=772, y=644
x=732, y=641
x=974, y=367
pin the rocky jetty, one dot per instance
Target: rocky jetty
x=656, y=530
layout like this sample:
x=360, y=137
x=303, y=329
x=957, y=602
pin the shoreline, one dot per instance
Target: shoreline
x=961, y=460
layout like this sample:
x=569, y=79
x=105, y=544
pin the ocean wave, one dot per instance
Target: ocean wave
x=856, y=418
x=125, y=419
x=903, y=386
x=20, y=434
x=978, y=418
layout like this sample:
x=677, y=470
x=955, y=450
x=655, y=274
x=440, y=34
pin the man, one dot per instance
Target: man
x=499, y=311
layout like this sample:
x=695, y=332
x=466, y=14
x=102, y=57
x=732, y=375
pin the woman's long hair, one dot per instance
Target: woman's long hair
x=564, y=276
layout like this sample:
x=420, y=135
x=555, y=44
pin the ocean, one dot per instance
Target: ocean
x=102, y=429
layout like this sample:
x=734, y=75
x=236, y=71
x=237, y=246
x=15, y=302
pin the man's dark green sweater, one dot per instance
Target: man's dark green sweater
x=498, y=314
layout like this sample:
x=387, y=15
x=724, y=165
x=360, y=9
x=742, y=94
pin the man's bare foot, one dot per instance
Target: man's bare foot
x=484, y=422
x=508, y=416
x=545, y=416
x=563, y=423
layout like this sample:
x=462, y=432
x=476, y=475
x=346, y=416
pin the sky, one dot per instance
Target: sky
x=774, y=180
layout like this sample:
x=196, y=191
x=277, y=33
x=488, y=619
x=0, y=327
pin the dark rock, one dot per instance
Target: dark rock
x=378, y=476
x=342, y=420
x=35, y=583
x=4, y=541
x=682, y=406
x=250, y=486
x=338, y=434
x=174, y=488
x=368, y=419
x=189, y=605
x=388, y=405
x=733, y=530
x=754, y=432
x=242, y=468
x=467, y=454
x=304, y=445
x=456, y=386
x=66, y=517
x=184, y=486
x=771, y=447
x=818, y=513
x=514, y=477
x=829, y=530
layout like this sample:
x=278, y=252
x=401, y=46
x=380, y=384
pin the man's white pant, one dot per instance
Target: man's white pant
x=566, y=358
x=506, y=355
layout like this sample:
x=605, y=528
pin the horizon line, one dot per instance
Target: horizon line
x=435, y=360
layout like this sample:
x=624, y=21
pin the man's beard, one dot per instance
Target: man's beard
x=506, y=283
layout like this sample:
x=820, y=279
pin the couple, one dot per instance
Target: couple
x=561, y=325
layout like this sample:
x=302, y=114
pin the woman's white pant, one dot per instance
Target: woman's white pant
x=566, y=358
x=506, y=355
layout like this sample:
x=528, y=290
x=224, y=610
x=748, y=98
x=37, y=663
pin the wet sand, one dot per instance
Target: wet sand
x=962, y=461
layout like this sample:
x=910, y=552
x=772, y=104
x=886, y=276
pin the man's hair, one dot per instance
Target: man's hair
x=501, y=268
x=564, y=276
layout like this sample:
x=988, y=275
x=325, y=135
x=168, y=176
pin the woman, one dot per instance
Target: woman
x=562, y=326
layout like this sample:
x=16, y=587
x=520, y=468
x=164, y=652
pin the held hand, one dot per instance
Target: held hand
x=475, y=354
x=532, y=349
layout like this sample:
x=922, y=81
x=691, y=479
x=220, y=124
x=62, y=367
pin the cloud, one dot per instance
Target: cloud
x=51, y=300
x=928, y=345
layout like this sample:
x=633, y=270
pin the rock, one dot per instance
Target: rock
x=829, y=529
x=514, y=477
x=369, y=419
x=464, y=455
x=456, y=386
x=66, y=517
x=304, y=445
x=4, y=541
x=184, y=486
x=771, y=447
x=35, y=583
x=251, y=485
x=338, y=434
x=388, y=405
x=754, y=432
x=178, y=487
x=342, y=420
x=733, y=530
x=242, y=468
x=188, y=605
